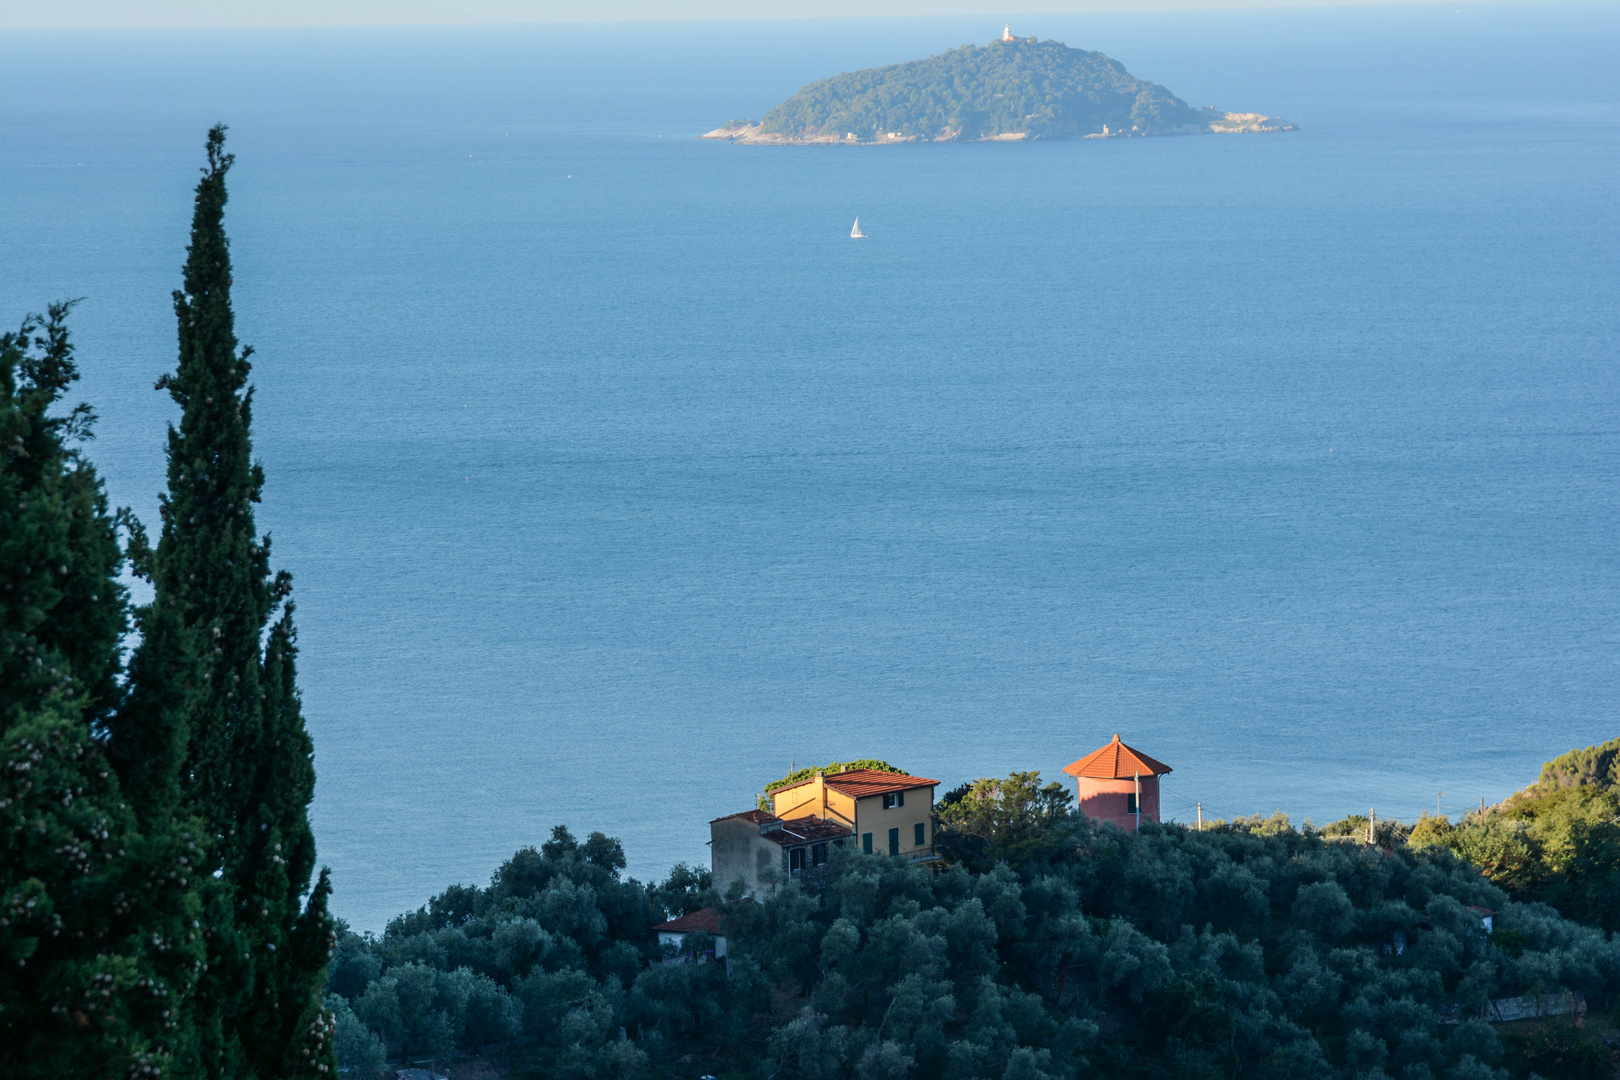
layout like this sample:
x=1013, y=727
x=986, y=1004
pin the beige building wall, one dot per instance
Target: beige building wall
x=739, y=852
x=801, y=801
x=840, y=808
x=815, y=797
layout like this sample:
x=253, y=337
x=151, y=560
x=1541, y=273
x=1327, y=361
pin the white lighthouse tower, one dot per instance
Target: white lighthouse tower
x=1006, y=32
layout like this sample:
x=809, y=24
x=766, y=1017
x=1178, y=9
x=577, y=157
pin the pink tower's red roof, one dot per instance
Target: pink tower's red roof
x=1116, y=761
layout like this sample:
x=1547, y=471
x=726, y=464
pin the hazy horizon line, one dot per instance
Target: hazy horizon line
x=200, y=14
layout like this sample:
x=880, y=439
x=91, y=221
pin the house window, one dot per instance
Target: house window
x=1130, y=803
x=894, y=800
x=894, y=841
x=919, y=835
x=818, y=855
x=796, y=860
x=866, y=842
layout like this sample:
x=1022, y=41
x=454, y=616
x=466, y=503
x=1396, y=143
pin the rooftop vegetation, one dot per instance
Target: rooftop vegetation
x=830, y=769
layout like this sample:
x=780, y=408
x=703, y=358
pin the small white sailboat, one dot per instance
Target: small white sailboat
x=855, y=233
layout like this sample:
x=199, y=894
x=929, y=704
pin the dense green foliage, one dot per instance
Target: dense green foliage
x=1557, y=841
x=991, y=820
x=558, y=947
x=98, y=918
x=1043, y=89
x=158, y=849
x=247, y=768
x=1247, y=949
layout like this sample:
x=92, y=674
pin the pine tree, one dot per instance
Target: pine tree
x=248, y=768
x=99, y=935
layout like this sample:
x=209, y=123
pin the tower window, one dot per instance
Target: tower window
x=1131, y=806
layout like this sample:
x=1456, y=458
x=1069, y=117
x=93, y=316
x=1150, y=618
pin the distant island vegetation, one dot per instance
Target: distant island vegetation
x=1012, y=89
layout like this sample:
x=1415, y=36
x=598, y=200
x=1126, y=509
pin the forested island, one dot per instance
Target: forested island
x=1012, y=89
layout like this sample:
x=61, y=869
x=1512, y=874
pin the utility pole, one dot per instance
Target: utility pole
x=1200, y=817
x=1372, y=826
x=1437, y=801
x=1138, y=802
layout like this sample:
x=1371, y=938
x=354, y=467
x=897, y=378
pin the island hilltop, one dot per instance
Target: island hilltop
x=1013, y=88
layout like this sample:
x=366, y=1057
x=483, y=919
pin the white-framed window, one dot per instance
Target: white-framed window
x=894, y=800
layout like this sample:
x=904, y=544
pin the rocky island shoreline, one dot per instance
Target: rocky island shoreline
x=752, y=133
x=1013, y=90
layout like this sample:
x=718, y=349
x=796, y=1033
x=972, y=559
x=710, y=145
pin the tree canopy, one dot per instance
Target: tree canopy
x=1557, y=841
x=157, y=908
x=1035, y=88
x=1051, y=947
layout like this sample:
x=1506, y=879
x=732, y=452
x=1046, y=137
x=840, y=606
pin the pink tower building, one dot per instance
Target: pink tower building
x=1118, y=784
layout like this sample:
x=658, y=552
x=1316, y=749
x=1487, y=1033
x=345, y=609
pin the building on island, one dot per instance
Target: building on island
x=1118, y=784
x=884, y=813
x=706, y=921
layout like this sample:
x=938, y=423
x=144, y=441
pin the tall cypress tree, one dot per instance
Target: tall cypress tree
x=99, y=928
x=248, y=768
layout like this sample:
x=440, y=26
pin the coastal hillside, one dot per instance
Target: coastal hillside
x=1015, y=88
x=1045, y=945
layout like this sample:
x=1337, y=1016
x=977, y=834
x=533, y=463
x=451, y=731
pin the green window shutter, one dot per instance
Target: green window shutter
x=920, y=834
x=894, y=841
x=866, y=843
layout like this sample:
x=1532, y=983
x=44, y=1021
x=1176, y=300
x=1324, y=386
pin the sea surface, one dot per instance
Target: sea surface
x=616, y=479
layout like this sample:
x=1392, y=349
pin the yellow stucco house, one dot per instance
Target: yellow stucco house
x=882, y=813
x=889, y=813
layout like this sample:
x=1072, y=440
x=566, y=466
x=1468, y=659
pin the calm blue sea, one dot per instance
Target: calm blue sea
x=616, y=479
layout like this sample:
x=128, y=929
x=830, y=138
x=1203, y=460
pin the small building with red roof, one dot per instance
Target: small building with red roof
x=1119, y=784
x=706, y=921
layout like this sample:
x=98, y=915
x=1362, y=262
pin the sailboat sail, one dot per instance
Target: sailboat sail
x=855, y=233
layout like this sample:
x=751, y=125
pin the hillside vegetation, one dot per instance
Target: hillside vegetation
x=1052, y=947
x=1043, y=89
x=1557, y=841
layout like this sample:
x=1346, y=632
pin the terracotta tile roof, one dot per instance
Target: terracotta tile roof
x=758, y=817
x=861, y=783
x=807, y=830
x=706, y=920
x=891, y=781
x=1116, y=761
